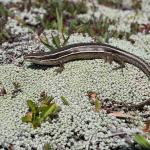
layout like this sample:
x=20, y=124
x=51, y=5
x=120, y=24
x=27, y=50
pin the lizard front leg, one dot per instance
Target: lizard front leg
x=61, y=67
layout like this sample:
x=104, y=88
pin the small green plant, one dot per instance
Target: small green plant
x=68, y=9
x=75, y=8
x=4, y=34
x=45, y=99
x=94, y=100
x=56, y=40
x=45, y=42
x=137, y=4
x=142, y=141
x=4, y=12
x=97, y=28
x=40, y=112
x=64, y=100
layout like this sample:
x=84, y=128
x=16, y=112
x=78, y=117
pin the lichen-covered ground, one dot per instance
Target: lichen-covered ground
x=78, y=127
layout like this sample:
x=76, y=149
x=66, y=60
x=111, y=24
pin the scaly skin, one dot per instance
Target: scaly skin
x=89, y=51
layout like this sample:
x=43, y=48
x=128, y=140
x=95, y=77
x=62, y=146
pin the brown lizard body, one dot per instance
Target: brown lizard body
x=89, y=51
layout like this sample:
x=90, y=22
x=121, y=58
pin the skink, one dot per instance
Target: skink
x=82, y=51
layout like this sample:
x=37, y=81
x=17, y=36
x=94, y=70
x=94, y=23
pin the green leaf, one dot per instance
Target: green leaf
x=47, y=111
x=56, y=40
x=59, y=21
x=141, y=141
x=47, y=44
x=36, y=122
x=32, y=106
x=97, y=105
x=43, y=108
x=50, y=98
x=65, y=39
x=64, y=100
x=43, y=104
x=73, y=23
x=26, y=119
x=4, y=11
x=46, y=101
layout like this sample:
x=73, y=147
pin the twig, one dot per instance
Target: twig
x=129, y=107
x=89, y=141
x=112, y=135
x=117, y=134
x=140, y=105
